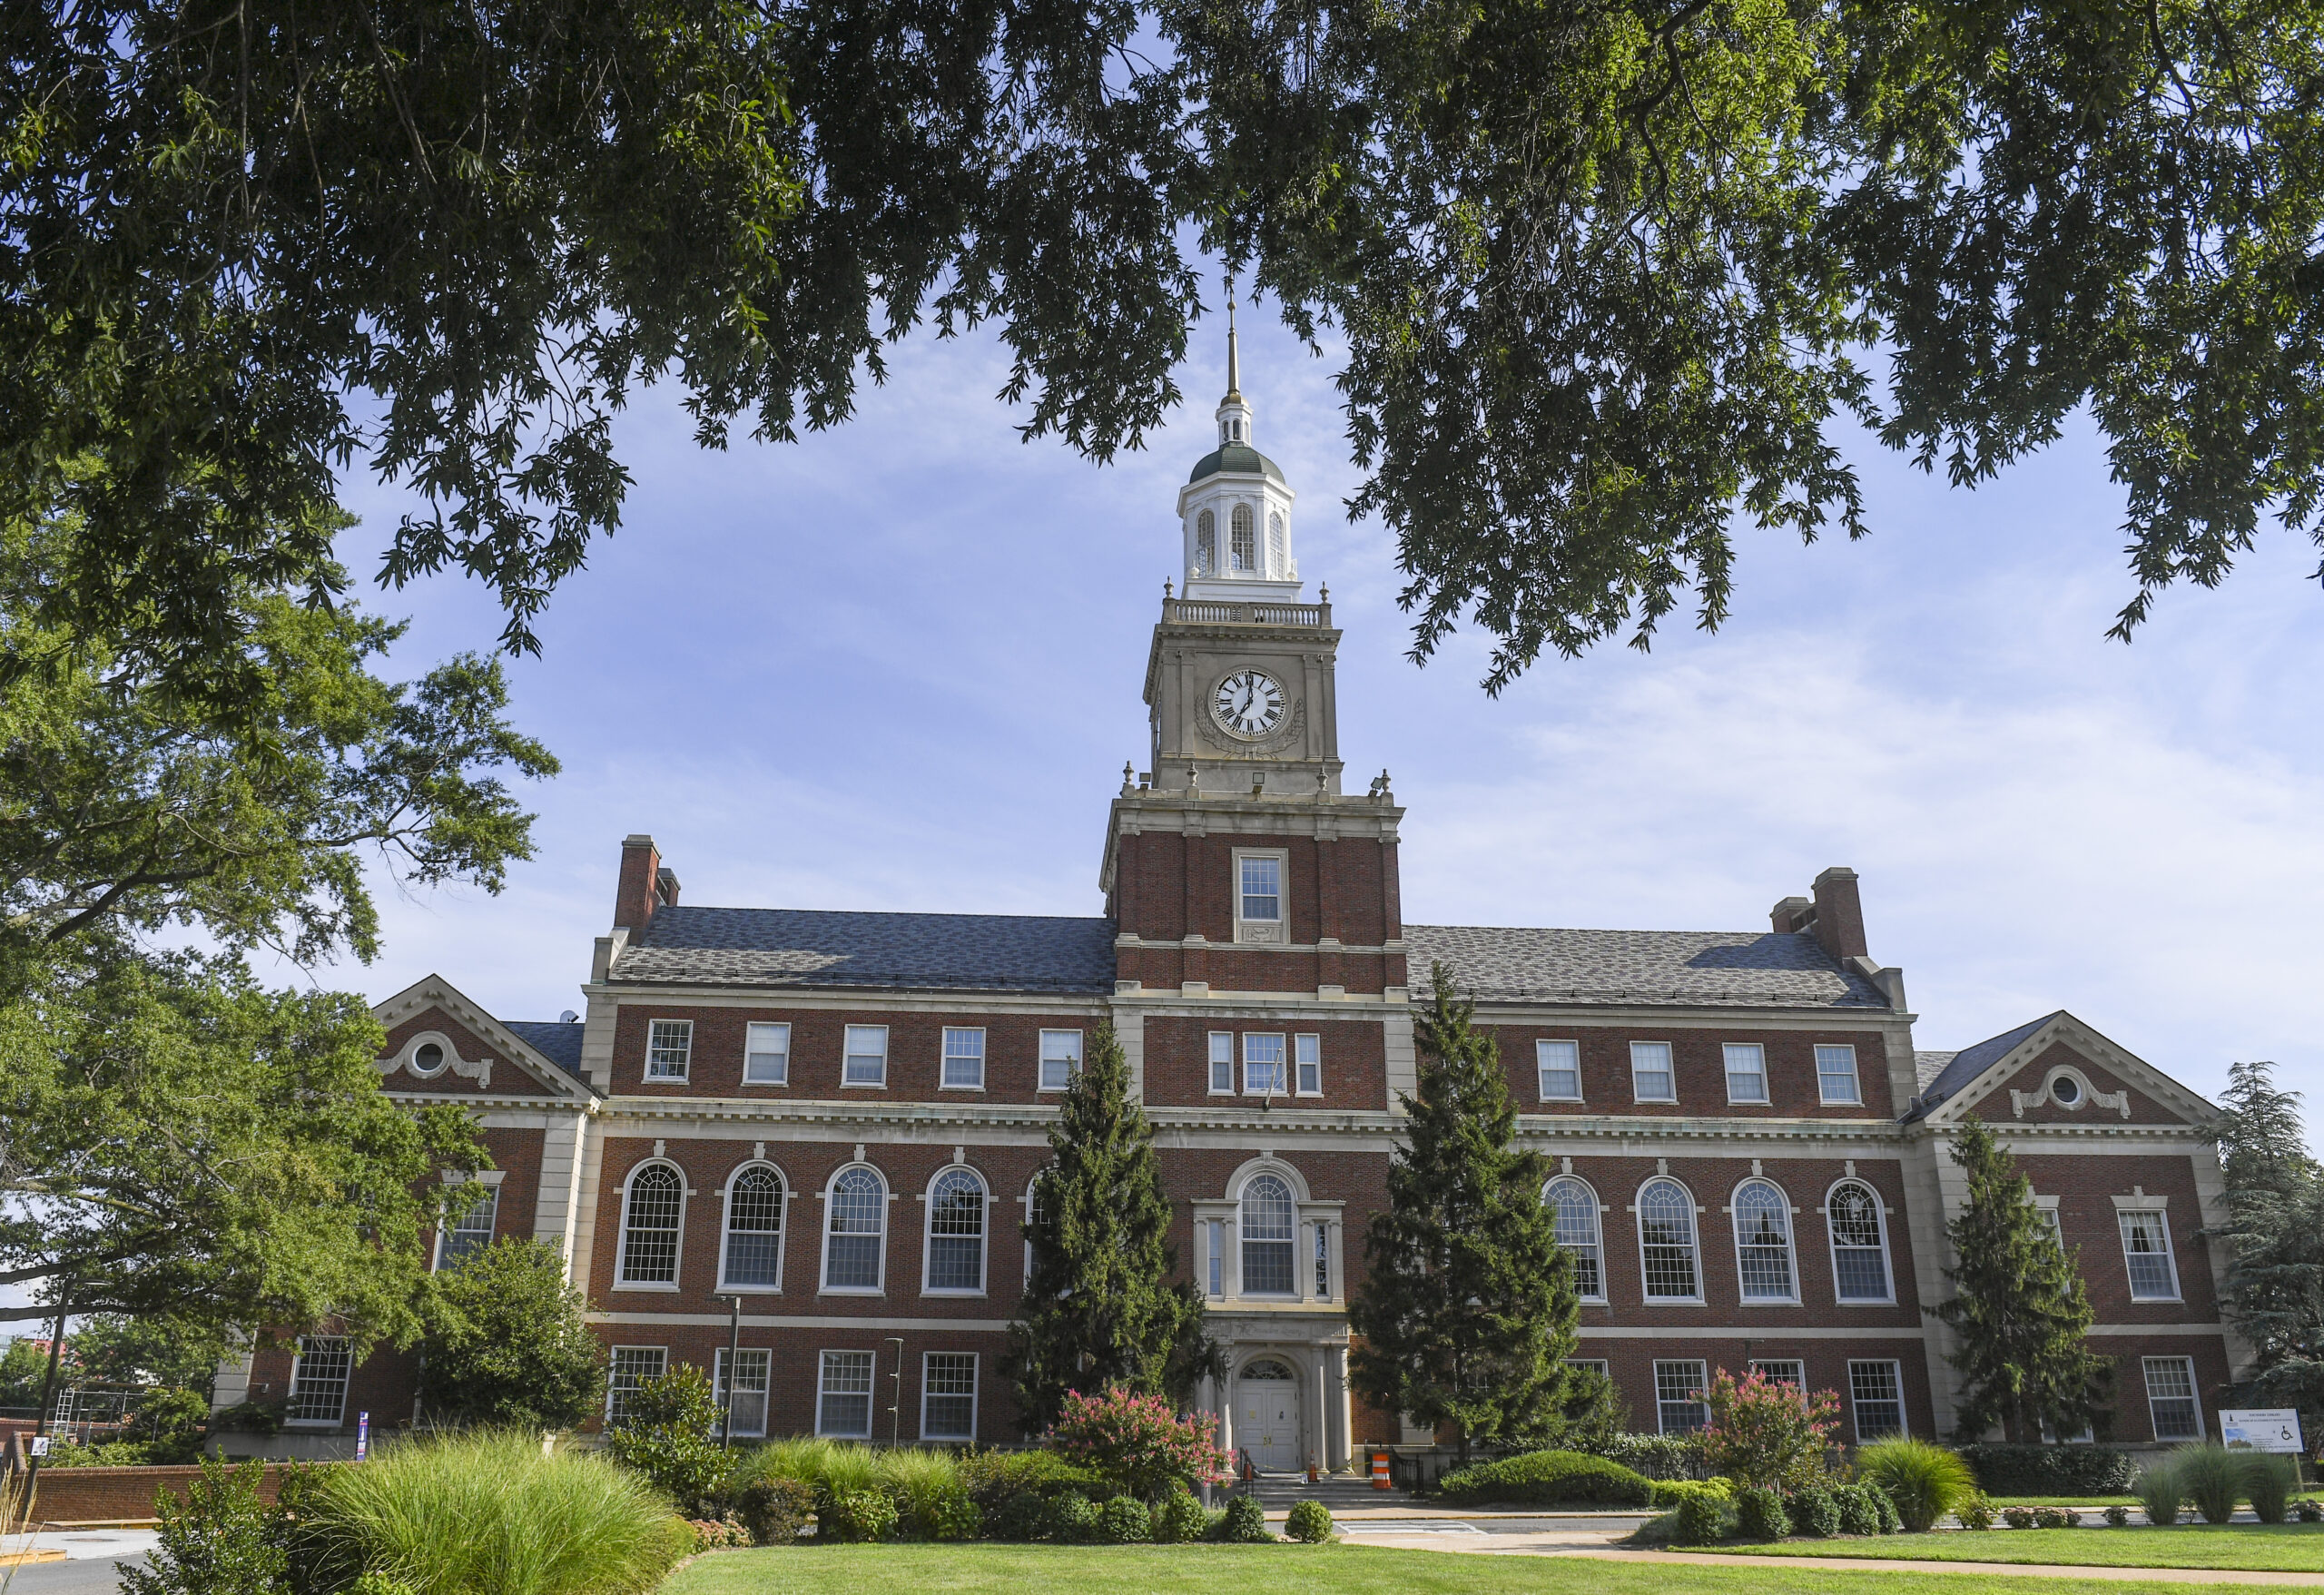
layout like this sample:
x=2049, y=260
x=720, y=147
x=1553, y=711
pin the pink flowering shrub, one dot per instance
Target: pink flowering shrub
x=1766, y=1432
x=1141, y=1447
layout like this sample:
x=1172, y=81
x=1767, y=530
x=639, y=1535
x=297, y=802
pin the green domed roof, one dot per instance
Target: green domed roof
x=1236, y=457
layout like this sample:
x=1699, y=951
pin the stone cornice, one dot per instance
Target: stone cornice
x=900, y=999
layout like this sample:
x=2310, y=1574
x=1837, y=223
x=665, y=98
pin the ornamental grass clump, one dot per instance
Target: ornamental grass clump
x=2161, y=1494
x=2269, y=1483
x=1924, y=1482
x=2212, y=1478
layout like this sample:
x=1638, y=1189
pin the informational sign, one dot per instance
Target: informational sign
x=362, y=1436
x=40, y=1445
x=2261, y=1429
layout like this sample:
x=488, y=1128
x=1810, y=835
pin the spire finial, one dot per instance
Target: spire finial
x=1233, y=370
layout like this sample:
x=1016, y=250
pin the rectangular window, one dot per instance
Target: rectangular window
x=1877, y=1391
x=1746, y=1072
x=867, y=1055
x=1788, y=1370
x=1060, y=1059
x=2146, y=1247
x=749, y=1373
x=766, y=1055
x=318, y=1376
x=1651, y=1078
x=1835, y=1075
x=2048, y=1213
x=1560, y=1063
x=669, y=1048
x=631, y=1366
x=1598, y=1366
x=1222, y=1063
x=948, y=1399
x=844, y=1395
x=1261, y=1065
x=1263, y=891
x=2171, y=1398
x=1323, y=1261
x=1307, y=1057
x=471, y=1230
x=964, y=1059
x=1217, y=1257
x=1679, y=1397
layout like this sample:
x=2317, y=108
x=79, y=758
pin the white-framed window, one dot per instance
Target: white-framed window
x=1598, y=1366
x=1747, y=1071
x=1789, y=1371
x=1763, y=1255
x=319, y=1371
x=1207, y=543
x=749, y=1369
x=1244, y=545
x=1307, y=1064
x=855, y=1231
x=1836, y=1080
x=1559, y=1066
x=1269, y=1222
x=844, y=1395
x=1060, y=1059
x=948, y=1395
x=472, y=1230
x=1323, y=1233
x=1260, y=887
x=1263, y=1064
x=1222, y=1063
x=2045, y=1208
x=2170, y=1402
x=752, y=1256
x=652, y=1213
x=1652, y=1078
x=1573, y=1210
x=1278, y=549
x=1217, y=1231
x=956, y=1213
x=1667, y=1256
x=1876, y=1392
x=669, y=1048
x=628, y=1367
x=867, y=1055
x=1679, y=1406
x=766, y=1055
x=2146, y=1253
x=1859, y=1228
x=964, y=1059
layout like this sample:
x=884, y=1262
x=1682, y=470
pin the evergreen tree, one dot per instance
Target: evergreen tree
x=1103, y=1307
x=2275, y=1203
x=1467, y=1309
x=2018, y=1309
x=508, y=1342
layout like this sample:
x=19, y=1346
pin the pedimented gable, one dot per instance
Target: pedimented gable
x=2061, y=1071
x=440, y=1043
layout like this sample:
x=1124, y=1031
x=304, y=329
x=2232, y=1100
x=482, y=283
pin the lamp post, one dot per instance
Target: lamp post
x=896, y=1405
x=733, y=1358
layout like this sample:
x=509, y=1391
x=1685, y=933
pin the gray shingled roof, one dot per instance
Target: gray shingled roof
x=1740, y=967
x=1970, y=1062
x=1928, y=1066
x=554, y=1039
x=808, y=947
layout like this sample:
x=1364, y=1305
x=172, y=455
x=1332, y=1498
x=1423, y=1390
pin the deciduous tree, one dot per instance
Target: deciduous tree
x=508, y=1342
x=2275, y=1277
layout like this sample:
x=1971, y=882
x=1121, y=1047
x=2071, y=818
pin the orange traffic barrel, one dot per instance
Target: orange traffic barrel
x=1380, y=1470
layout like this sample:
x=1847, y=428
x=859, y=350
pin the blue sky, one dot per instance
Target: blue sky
x=897, y=666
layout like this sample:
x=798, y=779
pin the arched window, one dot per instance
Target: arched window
x=1207, y=543
x=1859, y=1243
x=1763, y=1243
x=855, y=1231
x=1242, y=546
x=753, y=1254
x=1269, y=1221
x=1573, y=1207
x=649, y=1225
x=1278, y=549
x=1666, y=1238
x=956, y=1232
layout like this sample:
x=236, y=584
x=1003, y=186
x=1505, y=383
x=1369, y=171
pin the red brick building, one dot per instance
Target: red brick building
x=838, y=1116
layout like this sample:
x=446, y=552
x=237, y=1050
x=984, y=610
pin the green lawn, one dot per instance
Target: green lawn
x=2251, y=1547
x=1292, y=1569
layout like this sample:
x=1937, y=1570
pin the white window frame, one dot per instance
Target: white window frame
x=1245, y=1242
x=1306, y=1063
x=871, y=1390
x=341, y=1354
x=946, y=1058
x=2124, y=1218
x=1856, y=1402
x=1222, y=1057
x=1790, y=1243
x=1754, y=1053
x=726, y=1226
x=1280, y=1063
x=1597, y=1228
x=1824, y=1077
x=743, y=1391
x=984, y=1236
x=1641, y=1051
x=1701, y=1380
x=488, y=1197
x=823, y=1286
x=848, y=1055
x=1544, y=1068
x=1064, y=1082
x=1795, y=1374
x=1032, y=1187
x=621, y=1241
x=2185, y=1366
x=615, y=1371
x=1278, y=929
x=976, y=1393
x=1602, y=1366
x=1832, y=1243
x=1694, y=1240
x=777, y=1035
x=669, y=1050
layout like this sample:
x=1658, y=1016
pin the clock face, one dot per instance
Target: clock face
x=1249, y=703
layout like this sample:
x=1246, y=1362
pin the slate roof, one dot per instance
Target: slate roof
x=809, y=947
x=1758, y=969
x=1928, y=1066
x=554, y=1039
x=1970, y=1062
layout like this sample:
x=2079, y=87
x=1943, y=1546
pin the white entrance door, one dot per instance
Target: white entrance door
x=1267, y=1417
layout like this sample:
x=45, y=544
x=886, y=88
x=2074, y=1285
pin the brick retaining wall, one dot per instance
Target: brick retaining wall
x=121, y=1495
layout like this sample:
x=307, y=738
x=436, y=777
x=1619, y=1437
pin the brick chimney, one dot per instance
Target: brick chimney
x=1840, y=914
x=644, y=884
x=1790, y=915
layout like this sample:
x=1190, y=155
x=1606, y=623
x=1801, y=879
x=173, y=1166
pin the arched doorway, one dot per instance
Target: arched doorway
x=1267, y=1415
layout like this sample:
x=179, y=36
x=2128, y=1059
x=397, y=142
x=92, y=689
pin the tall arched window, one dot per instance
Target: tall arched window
x=855, y=1231
x=956, y=1232
x=1278, y=549
x=649, y=1225
x=1207, y=543
x=1666, y=1238
x=753, y=1252
x=1574, y=1208
x=1242, y=545
x=1269, y=1222
x=1859, y=1243
x=1763, y=1243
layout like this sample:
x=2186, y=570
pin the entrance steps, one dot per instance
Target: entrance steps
x=1340, y=1491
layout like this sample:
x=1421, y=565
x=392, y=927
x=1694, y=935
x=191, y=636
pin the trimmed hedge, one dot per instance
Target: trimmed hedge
x=1549, y=1478
x=2051, y=1470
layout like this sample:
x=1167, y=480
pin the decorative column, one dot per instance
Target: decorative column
x=1338, y=1418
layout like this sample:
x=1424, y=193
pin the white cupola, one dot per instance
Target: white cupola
x=1236, y=509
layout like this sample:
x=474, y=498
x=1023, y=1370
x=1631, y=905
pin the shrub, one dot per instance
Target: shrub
x=1759, y=1514
x=2311, y=1510
x=508, y=1341
x=1891, y=1522
x=2269, y=1482
x=855, y=1517
x=1815, y=1511
x=1923, y=1481
x=168, y=1426
x=2050, y=1470
x=488, y=1514
x=1859, y=1513
x=992, y=1477
x=1974, y=1511
x=1669, y=1493
x=2212, y=1479
x=1310, y=1523
x=1136, y=1443
x=1069, y=1519
x=1124, y=1521
x=2056, y=1517
x=1767, y=1432
x=717, y=1533
x=2018, y=1517
x=1177, y=1518
x=222, y=1540
x=664, y=1432
x=2160, y=1492
x=1244, y=1524
x=1023, y=1516
x=1656, y=1456
x=1549, y=1478
x=774, y=1509
x=379, y=1583
x=2118, y=1516
x=1699, y=1519
x=250, y=1417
